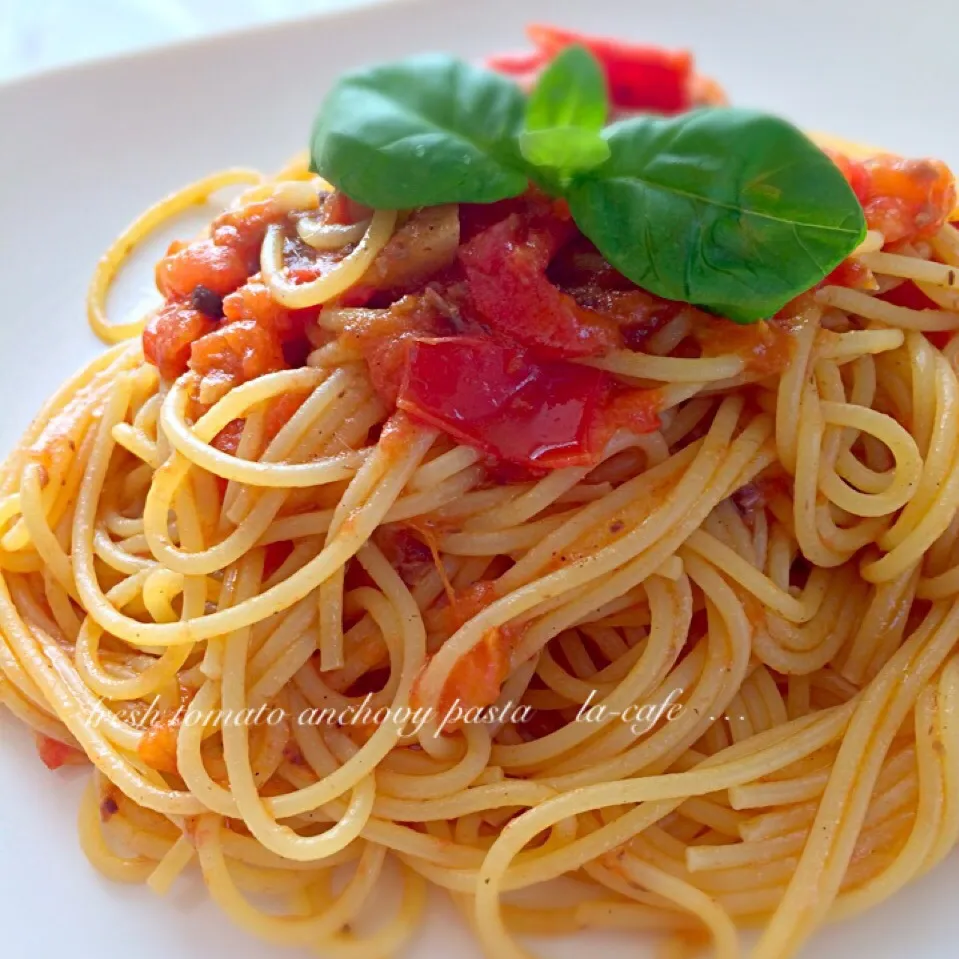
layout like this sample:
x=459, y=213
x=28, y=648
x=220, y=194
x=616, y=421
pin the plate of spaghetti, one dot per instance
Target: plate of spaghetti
x=539, y=495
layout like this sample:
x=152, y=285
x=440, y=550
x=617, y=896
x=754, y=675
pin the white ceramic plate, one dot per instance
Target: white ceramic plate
x=85, y=149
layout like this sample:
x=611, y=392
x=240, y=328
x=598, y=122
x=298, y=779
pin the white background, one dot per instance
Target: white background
x=38, y=34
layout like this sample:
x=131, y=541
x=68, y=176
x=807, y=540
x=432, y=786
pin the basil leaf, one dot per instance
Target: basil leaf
x=730, y=209
x=571, y=92
x=420, y=132
x=570, y=149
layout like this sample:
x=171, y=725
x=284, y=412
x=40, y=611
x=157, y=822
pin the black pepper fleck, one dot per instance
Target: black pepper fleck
x=206, y=301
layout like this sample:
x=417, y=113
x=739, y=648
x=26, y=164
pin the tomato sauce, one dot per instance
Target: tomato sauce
x=477, y=677
x=464, y=605
x=157, y=747
x=765, y=347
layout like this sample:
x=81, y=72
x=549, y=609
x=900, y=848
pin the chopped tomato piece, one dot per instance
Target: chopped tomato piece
x=496, y=398
x=384, y=337
x=203, y=263
x=506, y=272
x=239, y=351
x=476, y=678
x=468, y=603
x=908, y=198
x=853, y=171
x=170, y=333
x=243, y=230
x=228, y=439
x=280, y=410
x=634, y=410
x=903, y=199
x=253, y=301
x=501, y=400
x=157, y=747
x=640, y=77
x=55, y=754
x=340, y=210
x=221, y=262
x=852, y=274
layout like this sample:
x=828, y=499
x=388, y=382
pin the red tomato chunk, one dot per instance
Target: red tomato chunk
x=903, y=199
x=241, y=351
x=499, y=399
x=506, y=271
x=218, y=268
x=55, y=754
x=169, y=335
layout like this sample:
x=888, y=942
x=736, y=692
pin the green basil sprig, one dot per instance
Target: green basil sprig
x=729, y=209
x=566, y=114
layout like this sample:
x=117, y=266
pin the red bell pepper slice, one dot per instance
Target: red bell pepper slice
x=640, y=77
x=517, y=64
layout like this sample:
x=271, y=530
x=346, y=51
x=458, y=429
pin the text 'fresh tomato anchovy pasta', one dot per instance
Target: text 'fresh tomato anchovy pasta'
x=576, y=534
